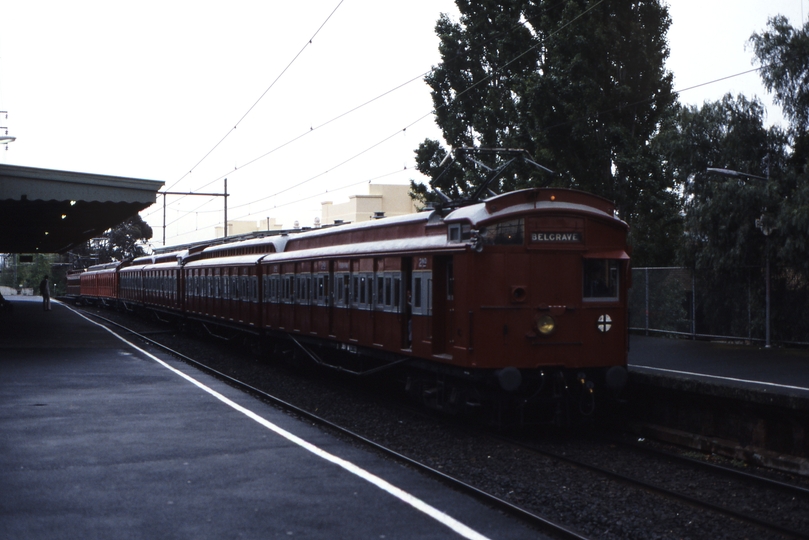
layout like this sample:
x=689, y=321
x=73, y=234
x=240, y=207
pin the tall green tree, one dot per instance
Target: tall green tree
x=122, y=242
x=723, y=215
x=580, y=84
x=721, y=212
x=782, y=51
x=126, y=240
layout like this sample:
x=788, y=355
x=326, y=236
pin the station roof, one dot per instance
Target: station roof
x=49, y=211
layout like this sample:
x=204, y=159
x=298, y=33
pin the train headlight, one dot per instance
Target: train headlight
x=545, y=325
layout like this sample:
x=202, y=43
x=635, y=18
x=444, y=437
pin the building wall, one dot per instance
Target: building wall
x=244, y=227
x=393, y=200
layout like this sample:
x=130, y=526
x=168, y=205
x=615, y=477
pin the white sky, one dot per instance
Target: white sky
x=146, y=89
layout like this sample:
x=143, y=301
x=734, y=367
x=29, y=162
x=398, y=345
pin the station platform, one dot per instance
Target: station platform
x=733, y=368
x=102, y=439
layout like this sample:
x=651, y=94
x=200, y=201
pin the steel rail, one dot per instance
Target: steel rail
x=773, y=527
x=720, y=469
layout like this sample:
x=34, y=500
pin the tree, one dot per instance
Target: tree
x=124, y=241
x=723, y=242
x=783, y=53
x=720, y=213
x=117, y=244
x=580, y=85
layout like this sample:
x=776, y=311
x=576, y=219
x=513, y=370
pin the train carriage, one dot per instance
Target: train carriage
x=543, y=291
x=131, y=287
x=99, y=283
x=518, y=303
x=224, y=289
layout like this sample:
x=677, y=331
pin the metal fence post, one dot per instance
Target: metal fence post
x=647, y=300
x=693, y=305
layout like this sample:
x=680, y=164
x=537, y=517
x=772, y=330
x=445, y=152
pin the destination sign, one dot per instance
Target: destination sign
x=550, y=237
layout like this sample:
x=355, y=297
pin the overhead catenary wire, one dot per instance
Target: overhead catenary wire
x=354, y=109
x=430, y=113
x=231, y=130
x=421, y=118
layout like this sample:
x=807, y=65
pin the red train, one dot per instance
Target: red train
x=516, y=304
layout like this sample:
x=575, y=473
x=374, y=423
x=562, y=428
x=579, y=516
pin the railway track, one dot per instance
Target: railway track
x=712, y=488
x=649, y=478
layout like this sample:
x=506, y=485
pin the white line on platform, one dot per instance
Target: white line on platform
x=721, y=377
x=400, y=494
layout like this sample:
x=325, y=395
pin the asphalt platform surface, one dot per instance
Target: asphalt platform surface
x=101, y=440
x=776, y=370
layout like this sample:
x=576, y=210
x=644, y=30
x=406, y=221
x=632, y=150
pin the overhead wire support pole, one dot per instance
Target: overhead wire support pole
x=185, y=193
x=766, y=228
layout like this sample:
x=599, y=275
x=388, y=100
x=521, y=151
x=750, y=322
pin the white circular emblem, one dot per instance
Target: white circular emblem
x=604, y=323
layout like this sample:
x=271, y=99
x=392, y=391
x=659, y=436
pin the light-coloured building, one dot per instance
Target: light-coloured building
x=390, y=199
x=245, y=227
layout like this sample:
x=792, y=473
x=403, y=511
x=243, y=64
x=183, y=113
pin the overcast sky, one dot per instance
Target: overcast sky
x=154, y=90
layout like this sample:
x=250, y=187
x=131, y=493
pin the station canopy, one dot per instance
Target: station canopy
x=49, y=211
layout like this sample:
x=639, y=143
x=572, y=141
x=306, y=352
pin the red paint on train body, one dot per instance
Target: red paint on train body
x=519, y=298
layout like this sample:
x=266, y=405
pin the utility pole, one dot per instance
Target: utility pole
x=183, y=193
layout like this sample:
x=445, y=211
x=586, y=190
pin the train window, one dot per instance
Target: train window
x=288, y=294
x=454, y=233
x=254, y=289
x=421, y=301
x=600, y=279
x=388, y=291
x=303, y=289
x=397, y=293
x=342, y=289
x=379, y=299
x=321, y=291
x=504, y=233
x=355, y=290
x=339, y=298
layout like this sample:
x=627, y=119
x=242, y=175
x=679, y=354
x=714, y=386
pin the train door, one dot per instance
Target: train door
x=421, y=303
x=443, y=305
x=379, y=320
x=331, y=284
x=403, y=298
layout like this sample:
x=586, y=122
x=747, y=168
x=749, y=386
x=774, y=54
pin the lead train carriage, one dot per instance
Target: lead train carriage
x=515, y=304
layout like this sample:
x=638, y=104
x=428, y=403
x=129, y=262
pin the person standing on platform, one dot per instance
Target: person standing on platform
x=45, y=291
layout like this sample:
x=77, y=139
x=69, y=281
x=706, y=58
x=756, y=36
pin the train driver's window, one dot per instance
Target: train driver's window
x=504, y=233
x=600, y=279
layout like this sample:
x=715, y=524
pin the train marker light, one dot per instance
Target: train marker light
x=604, y=323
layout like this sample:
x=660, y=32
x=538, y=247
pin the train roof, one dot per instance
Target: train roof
x=379, y=248
x=528, y=200
x=406, y=227
x=277, y=242
x=106, y=267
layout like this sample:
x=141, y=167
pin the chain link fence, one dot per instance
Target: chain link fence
x=682, y=301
